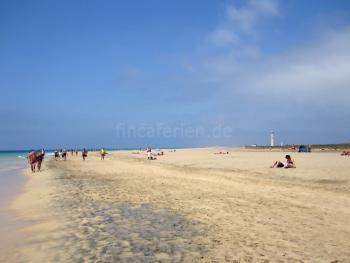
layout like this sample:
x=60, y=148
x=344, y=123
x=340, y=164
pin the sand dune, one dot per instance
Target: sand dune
x=188, y=206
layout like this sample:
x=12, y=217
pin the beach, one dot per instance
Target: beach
x=190, y=205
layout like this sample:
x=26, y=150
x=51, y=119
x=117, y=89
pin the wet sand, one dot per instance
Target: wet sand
x=188, y=206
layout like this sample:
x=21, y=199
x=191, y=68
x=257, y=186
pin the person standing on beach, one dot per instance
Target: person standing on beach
x=84, y=154
x=31, y=157
x=64, y=154
x=149, y=153
x=56, y=155
x=35, y=157
x=103, y=153
x=40, y=158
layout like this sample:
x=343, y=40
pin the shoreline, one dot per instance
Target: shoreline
x=189, y=206
x=12, y=182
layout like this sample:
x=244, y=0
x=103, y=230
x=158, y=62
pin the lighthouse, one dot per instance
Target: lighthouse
x=272, y=137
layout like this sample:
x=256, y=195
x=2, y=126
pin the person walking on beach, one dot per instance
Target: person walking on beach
x=31, y=157
x=64, y=154
x=40, y=158
x=149, y=153
x=84, y=154
x=290, y=163
x=103, y=153
x=34, y=158
x=56, y=155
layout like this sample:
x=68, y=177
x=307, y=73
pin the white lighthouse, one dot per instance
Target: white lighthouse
x=272, y=138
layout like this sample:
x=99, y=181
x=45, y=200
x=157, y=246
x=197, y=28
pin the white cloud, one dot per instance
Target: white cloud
x=242, y=20
x=265, y=7
x=318, y=73
x=223, y=37
x=314, y=73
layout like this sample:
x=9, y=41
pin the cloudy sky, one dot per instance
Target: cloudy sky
x=173, y=73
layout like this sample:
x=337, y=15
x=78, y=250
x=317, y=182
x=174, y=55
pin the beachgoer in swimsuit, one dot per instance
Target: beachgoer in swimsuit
x=290, y=163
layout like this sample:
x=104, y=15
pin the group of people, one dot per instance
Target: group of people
x=150, y=155
x=63, y=153
x=35, y=159
x=84, y=153
x=289, y=163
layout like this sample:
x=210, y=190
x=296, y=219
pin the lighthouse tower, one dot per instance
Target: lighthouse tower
x=272, y=138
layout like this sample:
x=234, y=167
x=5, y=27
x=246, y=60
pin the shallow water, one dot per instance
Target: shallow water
x=11, y=182
x=11, y=178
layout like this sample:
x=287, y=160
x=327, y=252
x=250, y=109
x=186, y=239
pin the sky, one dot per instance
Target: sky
x=186, y=73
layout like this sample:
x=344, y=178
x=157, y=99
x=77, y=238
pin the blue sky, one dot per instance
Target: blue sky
x=173, y=73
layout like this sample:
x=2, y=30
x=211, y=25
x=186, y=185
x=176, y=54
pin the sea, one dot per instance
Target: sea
x=11, y=178
x=12, y=181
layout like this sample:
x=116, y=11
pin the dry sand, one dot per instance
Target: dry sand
x=188, y=206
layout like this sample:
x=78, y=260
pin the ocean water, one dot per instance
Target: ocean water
x=11, y=178
x=11, y=182
x=13, y=154
x=11, y=164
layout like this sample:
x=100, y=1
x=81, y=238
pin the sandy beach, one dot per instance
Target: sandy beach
x=187, y=206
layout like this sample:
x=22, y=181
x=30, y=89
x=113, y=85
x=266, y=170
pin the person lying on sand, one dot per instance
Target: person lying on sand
x=345, y=153
x=222, y=153
x=290, y=163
